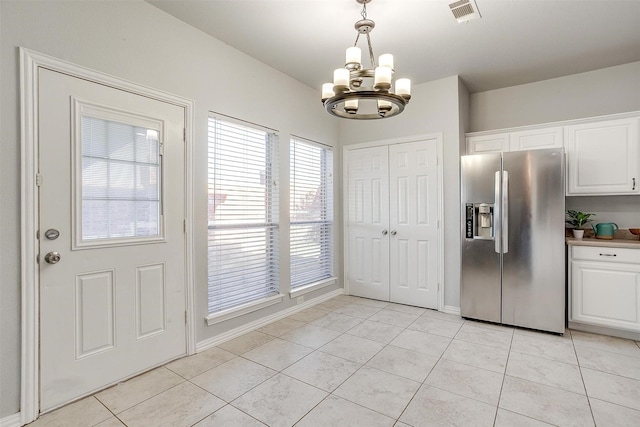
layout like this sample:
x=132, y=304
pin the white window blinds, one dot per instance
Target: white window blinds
x=311, y=210
x=121, y=180
x=243, y=214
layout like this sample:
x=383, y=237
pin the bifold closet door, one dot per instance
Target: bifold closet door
x=367, y=222
x=413, y=223
x=392, y=223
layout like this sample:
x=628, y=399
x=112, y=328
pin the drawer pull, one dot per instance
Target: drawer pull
x=608, y=255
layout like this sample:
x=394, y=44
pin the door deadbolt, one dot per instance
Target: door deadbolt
x=52, y=257
x=52, y=234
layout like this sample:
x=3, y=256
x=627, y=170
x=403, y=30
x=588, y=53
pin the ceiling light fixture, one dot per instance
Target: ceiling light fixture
x=351, y=95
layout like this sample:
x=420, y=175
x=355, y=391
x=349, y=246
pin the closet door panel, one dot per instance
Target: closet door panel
x=367, y=223
x=413, y=223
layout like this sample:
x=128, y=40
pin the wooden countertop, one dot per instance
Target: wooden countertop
x=614, y=243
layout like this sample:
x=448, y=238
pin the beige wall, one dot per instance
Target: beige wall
x=595, y=93
x=138, y=42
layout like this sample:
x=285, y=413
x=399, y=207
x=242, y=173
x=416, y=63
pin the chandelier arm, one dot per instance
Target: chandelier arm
x=357, y=38
x=371, y=56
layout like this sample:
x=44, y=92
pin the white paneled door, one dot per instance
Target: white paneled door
x=111, y=235
x=413, y=223
x=392, y=223
x=368, y=223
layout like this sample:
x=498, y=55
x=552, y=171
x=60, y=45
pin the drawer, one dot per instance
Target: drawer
x=599, y=253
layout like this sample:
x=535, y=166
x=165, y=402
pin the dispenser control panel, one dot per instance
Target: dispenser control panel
x=479, y=221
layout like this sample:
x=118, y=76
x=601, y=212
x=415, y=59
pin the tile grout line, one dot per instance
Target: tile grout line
x=586, y=392
x=504, y=376
x=429, y=373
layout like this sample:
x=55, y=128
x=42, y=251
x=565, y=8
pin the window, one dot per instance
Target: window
x=311, y=210
x=120, y=183
x=243, y=215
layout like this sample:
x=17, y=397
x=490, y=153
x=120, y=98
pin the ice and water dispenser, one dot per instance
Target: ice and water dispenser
x=479, y=221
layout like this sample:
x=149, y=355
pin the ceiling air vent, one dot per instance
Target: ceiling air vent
x=465, y=10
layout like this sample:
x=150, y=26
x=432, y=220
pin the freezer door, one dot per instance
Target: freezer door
x=480, y=267
x=533, y=275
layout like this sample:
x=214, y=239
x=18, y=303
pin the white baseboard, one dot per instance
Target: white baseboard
x=234, y=333
x=14, y=420
x=450, y=309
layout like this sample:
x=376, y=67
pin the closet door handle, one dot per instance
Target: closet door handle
x=384, y=232
x=394, y=232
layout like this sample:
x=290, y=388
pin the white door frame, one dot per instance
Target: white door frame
x=345, y=193
x=30, y=62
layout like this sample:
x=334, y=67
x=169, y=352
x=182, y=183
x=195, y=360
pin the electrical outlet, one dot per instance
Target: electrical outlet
x=300, y=300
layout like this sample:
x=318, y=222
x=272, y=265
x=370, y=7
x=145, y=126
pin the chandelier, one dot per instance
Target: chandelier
x=365, y=93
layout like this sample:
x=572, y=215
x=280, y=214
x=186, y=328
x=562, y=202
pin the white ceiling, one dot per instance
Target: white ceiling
x=515, y=42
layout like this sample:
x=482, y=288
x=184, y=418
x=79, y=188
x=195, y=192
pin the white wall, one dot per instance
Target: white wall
x=434, y=108
x=136, y=41
x=595, y=93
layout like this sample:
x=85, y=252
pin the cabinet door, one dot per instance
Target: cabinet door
x=536, y=139
x=603, y=157
x=605, y=294
x=488, y=143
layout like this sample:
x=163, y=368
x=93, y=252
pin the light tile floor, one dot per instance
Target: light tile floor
x=357, y=362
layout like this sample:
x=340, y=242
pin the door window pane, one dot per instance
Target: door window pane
x=121, y=180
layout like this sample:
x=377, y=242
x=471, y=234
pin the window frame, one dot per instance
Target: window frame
x=271, y=221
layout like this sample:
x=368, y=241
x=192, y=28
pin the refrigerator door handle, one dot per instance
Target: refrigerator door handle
x=497, y=217
x=504, y=219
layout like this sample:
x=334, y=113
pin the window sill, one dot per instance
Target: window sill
x=241, y=310
x=312, y=287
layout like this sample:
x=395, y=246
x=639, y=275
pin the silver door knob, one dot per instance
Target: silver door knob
x=52, y=257
x=384, y=232
x=394, y=232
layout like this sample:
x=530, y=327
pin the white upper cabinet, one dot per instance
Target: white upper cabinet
x=603, y=157
x=488, y=143
x=603, y=153
x=535, y=139
x=528, y=139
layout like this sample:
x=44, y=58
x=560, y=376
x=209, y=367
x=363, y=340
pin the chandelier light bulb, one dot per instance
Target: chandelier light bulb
x=354, y=56
x=340, y=79
x=327, y=91
x=386, y=60
x=403, y=88
x=382, y=78
x=351, y=106
x=384, y=106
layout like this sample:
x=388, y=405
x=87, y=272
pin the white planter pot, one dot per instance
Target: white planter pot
x=578, y=234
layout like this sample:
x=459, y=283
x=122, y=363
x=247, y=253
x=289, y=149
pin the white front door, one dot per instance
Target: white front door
x=367, y=223
x=413, y=223
x=111, y=235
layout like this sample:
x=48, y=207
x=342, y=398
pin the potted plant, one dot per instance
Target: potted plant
x=578, y=219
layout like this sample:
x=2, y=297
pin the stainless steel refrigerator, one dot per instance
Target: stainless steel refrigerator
x=513, y=256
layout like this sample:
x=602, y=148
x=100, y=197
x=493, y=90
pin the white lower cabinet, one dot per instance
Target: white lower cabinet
x=605, y=287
